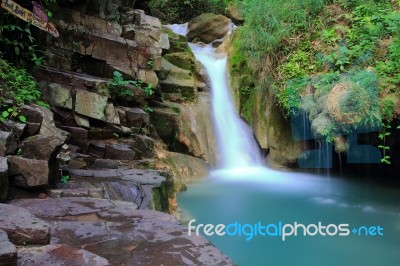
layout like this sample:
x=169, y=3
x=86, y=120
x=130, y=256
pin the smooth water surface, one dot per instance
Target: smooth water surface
x=272, y=197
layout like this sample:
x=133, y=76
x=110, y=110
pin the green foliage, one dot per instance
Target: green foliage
x=65, y=179
x=148, y=109
x=182, y=11
x=118, y=86
x=11, y=113
x=18, y=86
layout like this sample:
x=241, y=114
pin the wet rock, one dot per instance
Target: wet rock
x=106, y=228
x=208, y=27
x=105, y=164
x=58, y=255
x=3, y=179
x=100, y=133
x=119, y=152
x=8, y=145
x=31, y=129
x=166, y=124
x=8, y=252
x=22, y=227
x=35, y=173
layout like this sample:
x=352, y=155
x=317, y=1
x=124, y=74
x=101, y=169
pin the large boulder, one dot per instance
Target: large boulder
x=28, y=173
x=3, y=179
x=8, y=252
x=123, y=235
x=22, y=227
x=208, y=27
x=184, y=60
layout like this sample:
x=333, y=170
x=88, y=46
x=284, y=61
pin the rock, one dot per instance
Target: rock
x=164, y=41
x=76, y=192
x=58, y=255
x=149, y=76
x=177, y=43
x=8, y=252
x=8, y=145
x=166, y=124
x=78, y=136
x=100, y=133
x=82, y=121
x=105, y=164
x=208, y=27
x=22, y=227
x=14, y=127
x=87, y=103
x=34, y=172
x=40, y=147
x=96, y=149
x=105, y=228
x=145, y=145
x=32, y=129
x=112, y=115
x=31, y=113
x=184, y=60
x=234, y=13
x=3, y=179
x=119, y=152
x=177, y=80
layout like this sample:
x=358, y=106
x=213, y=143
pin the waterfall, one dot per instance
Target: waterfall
x=236, y=144
x=237, y=147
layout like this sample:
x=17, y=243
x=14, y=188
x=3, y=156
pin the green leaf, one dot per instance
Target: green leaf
x=22, y=119
x=5, y=114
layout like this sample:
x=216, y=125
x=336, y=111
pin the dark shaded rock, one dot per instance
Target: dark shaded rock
x=3, y=179
x=166, y=123
x=22, y=227
x=8, y=145
x=78, y=137
x=31, y=113
x=145, y=145
x=133, y=117
x=100, y=133
x=105, y=164
x=208, y=27
x=32, y=129
x=14, y=127
x=35, y=172
x=58, y=255
x=96, y=149
x=106, y=228
x=119, y=152
x=8, y=252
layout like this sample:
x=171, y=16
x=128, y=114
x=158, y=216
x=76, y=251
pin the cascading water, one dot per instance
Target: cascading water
x=236, y=144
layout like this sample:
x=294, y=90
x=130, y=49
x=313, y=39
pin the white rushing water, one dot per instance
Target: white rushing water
x=236, y=144
x=237, y=147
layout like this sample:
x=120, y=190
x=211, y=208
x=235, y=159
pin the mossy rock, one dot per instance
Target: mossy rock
x=184, y=60
x=208, y=27
x=177, y=42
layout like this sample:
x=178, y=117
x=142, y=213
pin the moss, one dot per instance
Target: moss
x=249, y=109
x=184, y=60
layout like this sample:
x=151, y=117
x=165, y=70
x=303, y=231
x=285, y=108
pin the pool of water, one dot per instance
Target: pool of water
x=253, y=195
